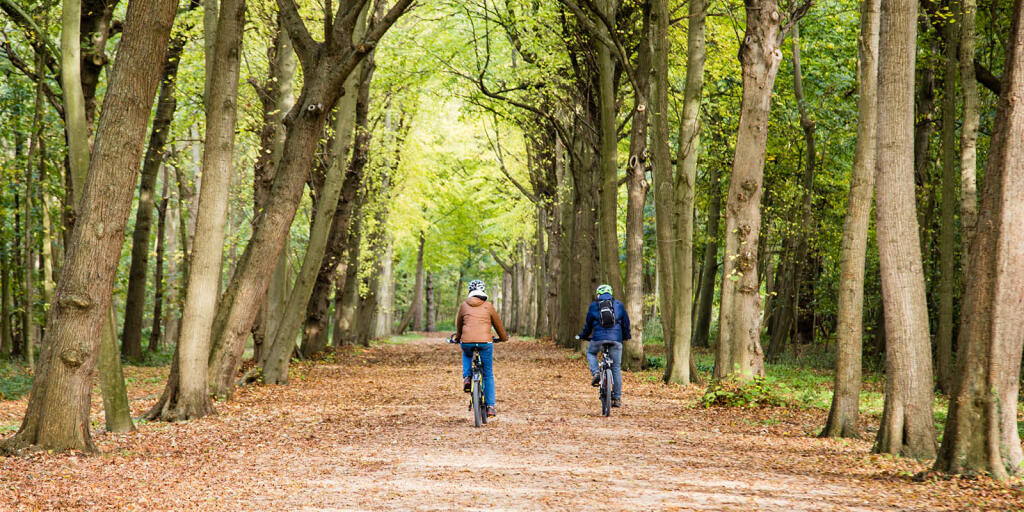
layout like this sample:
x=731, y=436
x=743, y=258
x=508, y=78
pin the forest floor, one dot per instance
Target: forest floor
x=386, y=428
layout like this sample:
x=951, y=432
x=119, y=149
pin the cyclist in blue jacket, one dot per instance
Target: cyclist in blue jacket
x=607, y=322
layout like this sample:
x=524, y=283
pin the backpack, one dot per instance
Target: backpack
x=606, y=310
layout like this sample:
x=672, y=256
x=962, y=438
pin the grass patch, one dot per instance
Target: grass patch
x=397, y=339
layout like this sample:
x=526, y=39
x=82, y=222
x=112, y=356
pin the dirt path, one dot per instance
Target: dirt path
x=387, y=429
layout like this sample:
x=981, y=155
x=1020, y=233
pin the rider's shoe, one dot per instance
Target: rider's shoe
x=596, y=381
x=490, y=411
x=616, y=402
x=467, y=385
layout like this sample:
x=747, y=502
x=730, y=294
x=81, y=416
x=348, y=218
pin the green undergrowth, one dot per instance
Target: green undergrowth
x=15, y=380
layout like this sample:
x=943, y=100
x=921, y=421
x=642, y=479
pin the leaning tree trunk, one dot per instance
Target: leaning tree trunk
x=135, y=302
x=844, y=414
x=57, y=417
x=191, y=399
x=947, y=237
x=981, y=432
x=907, y=423
x=275, y=360
x=325, y=69
x=739, y=324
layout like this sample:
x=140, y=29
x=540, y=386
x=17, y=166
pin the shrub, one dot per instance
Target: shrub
x=731, y=392
x=655, y=362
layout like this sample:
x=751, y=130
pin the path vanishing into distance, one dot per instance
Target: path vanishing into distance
x=387, y=428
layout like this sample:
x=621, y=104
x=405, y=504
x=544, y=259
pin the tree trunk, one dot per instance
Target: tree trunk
x=981, y=432
x=636, y=187
x=907, y=422
x=192, y=399
x=135, y=302
x=969, y=130
x=608, y=159
x=76, y=126
x=116, y=408
x=6, y=337
x=709, y=269
x=739, y=325
x=947, y=241
x=28, y=263
x=681, y=370
x=347, y=298
x=414, y=315
x=274, y=361
x=843, y=416
x=57, y=417
x=431, y=309
x=325, y=69
x=158, y=273
x=539, y=274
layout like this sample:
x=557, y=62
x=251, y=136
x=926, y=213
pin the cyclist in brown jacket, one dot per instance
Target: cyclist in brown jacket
x=473, y=330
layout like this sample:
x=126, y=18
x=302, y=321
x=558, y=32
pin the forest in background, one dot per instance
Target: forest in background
x=247, y=183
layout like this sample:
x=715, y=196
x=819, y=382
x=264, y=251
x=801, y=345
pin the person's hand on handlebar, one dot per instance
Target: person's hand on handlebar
x=452, y=339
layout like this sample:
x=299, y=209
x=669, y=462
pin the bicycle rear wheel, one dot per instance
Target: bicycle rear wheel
x=606, y=392
x=479, y=416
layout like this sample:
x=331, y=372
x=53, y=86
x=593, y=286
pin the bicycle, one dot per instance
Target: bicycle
x=604, y=392
x=476, y=398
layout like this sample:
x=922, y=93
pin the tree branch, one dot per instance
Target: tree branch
x=987, y=78
x=304, y=44
x=611, y=40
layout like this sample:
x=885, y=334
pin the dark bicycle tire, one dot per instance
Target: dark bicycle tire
x=479, y=416
x=606, y=393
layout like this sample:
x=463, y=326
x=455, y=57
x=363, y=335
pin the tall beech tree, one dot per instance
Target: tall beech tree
x=739, y=323
x=135, y=302
x=907, y=423
x=981, y=431
x=325, y=67
x=275, y=363
x=188, y=395
x=58, y=411
x=843, y=416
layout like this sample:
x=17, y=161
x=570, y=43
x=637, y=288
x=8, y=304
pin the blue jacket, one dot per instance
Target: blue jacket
x=618, y=332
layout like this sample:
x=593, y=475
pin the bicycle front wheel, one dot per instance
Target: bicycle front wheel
x=606, y=393
x=479, y=416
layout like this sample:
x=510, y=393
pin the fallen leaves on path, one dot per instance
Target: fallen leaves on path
x=387, y=429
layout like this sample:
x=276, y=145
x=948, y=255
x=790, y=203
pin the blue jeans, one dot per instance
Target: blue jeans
x=487, y=358
x=616, y=353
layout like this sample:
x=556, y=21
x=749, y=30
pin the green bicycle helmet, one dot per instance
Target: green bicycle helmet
x=604, y=288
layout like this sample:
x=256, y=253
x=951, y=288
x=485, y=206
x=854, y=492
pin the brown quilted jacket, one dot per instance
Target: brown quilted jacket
x=474, y=321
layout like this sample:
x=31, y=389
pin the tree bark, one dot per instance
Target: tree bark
x=192, y=399
x=739, y=325
x=681, y=369
x=155, y=332
x=968, y=131
x=636, y=192
x=135, y=302
x=275, y=360
x=28, y=264
x=608, y=164
x=843, y=416
x=116, y=408
x=431, y=309
x=981, y=432
x=907, y=422
x=325, y=69
x=6, y=334
x=57, y=417
x=947, y=241
x=347, y=298
x=77, y=128
x=709, y=268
